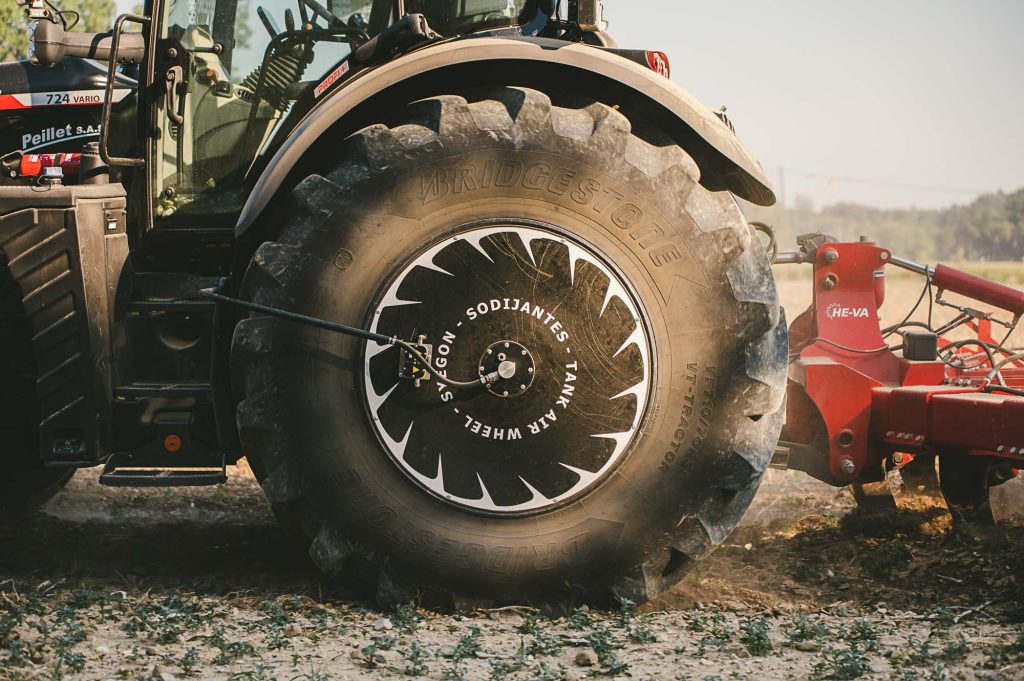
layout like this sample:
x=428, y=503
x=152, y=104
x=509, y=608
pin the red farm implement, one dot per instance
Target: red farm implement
x=860, y=404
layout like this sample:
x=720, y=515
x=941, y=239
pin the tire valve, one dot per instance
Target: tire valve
x=506, y=369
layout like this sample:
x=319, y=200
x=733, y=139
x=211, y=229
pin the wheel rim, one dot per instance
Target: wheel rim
x=552, y=305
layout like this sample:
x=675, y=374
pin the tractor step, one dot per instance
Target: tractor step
x=144, y=390
x=162, y=478
x=137, y=469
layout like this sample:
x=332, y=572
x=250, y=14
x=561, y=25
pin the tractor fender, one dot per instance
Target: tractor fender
x=724, y=162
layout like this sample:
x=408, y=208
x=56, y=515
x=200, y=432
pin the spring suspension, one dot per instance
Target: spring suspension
x=282, y=68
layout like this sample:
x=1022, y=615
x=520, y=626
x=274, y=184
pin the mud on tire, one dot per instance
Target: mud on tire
x=667, y=305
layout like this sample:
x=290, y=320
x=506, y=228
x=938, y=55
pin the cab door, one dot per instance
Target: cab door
x=228, y=75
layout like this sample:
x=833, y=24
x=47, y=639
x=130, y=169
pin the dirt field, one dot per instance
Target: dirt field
x=162, y=584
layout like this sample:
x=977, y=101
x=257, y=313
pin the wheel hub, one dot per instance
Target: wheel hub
x=572, y=359
x=514, y=365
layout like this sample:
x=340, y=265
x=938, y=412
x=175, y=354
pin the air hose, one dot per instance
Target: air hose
x=505, y=370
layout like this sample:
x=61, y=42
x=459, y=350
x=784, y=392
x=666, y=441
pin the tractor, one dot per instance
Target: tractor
x=464, y=282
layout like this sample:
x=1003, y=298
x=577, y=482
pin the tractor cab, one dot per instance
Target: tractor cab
x=236, y=76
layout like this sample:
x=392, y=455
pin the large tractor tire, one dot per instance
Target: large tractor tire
x=640, y=315
x=25, y=484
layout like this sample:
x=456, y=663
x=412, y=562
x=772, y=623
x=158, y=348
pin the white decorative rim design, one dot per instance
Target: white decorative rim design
x=528, y=233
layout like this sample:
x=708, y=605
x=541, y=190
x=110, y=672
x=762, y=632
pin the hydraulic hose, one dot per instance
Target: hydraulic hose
x=504, y=370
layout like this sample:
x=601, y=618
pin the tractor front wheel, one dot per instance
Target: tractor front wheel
x=25, y=484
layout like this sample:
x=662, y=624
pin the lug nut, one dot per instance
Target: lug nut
x=831, y=255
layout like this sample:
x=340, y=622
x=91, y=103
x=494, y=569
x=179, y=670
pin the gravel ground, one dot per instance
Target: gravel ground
x=161, y=584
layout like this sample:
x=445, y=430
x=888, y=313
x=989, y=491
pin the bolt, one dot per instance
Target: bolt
x=530, y=370
x=489, y=351
x=847, y=466
x=522, y=386
x=897, y=458
x=919, y=438
x=884, y=256
x=482, y=370
x=172, y=53
x=501, y=356
x=829, y=282
x=831, y=255
x=524, y=351
x=888, y=434
x=506, y=345
x=1000, y=448
x=504, y=393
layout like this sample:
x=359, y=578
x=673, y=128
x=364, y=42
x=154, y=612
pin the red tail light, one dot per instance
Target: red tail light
x=658, y=61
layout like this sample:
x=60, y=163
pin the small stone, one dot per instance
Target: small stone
x=573, y=675
x=101, y=650
x=586, y=658
x=292, y=629
x=1013, y=672
x=152, y=652
x=383, y=624
x=355, y=655
x=806, y=646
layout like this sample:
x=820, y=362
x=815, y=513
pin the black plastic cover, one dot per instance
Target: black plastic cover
x=920, y=346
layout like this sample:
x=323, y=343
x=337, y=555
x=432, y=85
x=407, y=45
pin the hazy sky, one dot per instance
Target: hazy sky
x=921, y=102
x=900, y=102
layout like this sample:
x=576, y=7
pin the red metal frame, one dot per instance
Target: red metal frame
x=872, y=403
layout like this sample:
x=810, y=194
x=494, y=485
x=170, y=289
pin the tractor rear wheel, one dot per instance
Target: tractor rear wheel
x=640, y=316
x=25, y=484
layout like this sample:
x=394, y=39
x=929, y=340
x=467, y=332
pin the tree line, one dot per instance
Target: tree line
x=989, y=228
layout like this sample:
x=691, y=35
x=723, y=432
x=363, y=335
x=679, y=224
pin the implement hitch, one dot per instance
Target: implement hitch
x=859, y=406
